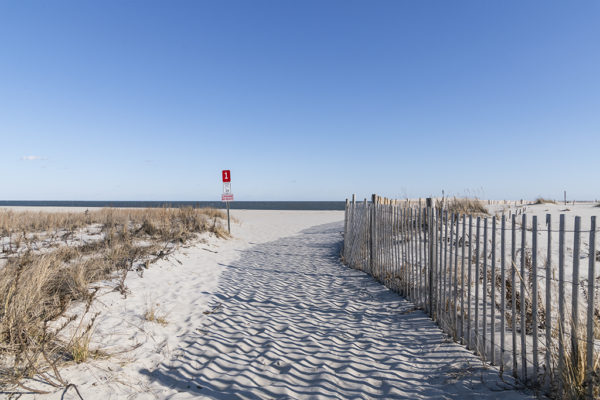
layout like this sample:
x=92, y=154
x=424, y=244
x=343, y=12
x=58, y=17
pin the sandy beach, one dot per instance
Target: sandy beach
x=270, y=313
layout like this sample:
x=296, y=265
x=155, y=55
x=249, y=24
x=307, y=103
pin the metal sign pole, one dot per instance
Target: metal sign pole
x=228, y=224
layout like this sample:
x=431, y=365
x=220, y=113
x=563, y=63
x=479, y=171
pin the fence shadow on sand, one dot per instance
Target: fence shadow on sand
x=290, y=321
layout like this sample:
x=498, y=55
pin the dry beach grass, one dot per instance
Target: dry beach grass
x=472, y=206
x=53, y=260
x=541, y=200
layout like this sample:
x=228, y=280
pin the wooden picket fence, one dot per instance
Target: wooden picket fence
x=493, y=284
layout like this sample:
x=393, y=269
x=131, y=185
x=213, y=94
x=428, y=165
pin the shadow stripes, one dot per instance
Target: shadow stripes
x=290, y=321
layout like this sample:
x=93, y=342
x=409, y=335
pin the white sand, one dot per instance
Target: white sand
x=272, y=313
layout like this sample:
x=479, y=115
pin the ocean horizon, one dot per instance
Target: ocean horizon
x=235, y=205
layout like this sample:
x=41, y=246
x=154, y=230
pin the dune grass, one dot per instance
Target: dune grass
x=45, y=271
x=469, y=206
x=541, y=200
x=576, y=384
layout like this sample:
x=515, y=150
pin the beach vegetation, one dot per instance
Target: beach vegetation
x=541, y=200
x=50, y=262
x=466, y=205
x=153, y=314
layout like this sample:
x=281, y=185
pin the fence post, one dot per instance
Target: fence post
x=436, y=273
x=561, y=298
x=590, y=311
x=404, y=260
x=513, y=286
x=352, y=224
x=449, y=300
x=493, y=294
x=462, y=283
x=344, y=247
x=410, y=247
x=396, y=233
x=372, y=229
x=523, y=294
x=431, y=257
x=421, y=250
x=549, y=299
x=534, y=301
x=575, y=296
x=502, y=291
x=366, y=242
x=477, y=276
x=420, y=214
x=414, y=269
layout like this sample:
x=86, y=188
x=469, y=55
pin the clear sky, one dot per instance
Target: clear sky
x=301, y=100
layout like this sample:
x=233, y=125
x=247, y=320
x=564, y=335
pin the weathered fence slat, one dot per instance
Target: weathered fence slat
x=411, y=272
x=438, y=262
x=462, y=283
x=493, y=295
x=549, y=300
x=523, y=298
x=561, y=295
x=444, y=271
x=575, y=296
x=513, y=279
x=403, y=260
x=397, y=243
x=412, y=240
x=431, y=257
x=422, y=256
x=477, y=276
x=449, y=288
x=423, y=251
x=589, y=365
x=534, y=298
x=408, y=245
x=502, y=291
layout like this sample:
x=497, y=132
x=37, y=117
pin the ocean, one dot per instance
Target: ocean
x=234, y=205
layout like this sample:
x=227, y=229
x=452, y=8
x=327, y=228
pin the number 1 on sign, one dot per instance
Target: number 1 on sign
x=226, y=175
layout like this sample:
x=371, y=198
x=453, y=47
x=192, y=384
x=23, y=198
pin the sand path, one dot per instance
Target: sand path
x=289, y=321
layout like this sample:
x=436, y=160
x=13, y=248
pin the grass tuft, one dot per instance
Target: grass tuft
x=471, y=206
x=80, y=348
x=152, y=314
x=573, y=375
x=541, y=200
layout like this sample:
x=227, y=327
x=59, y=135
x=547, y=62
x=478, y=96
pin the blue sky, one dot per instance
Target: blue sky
x=301, y=100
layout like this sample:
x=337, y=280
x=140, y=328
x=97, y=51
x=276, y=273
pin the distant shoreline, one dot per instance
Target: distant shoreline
x=236, y=205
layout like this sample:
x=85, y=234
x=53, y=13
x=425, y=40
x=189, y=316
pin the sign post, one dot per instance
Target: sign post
x=227, y=196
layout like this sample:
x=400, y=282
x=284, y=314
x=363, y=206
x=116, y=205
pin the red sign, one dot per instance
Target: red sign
x=226, y=175
x=226, y=197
